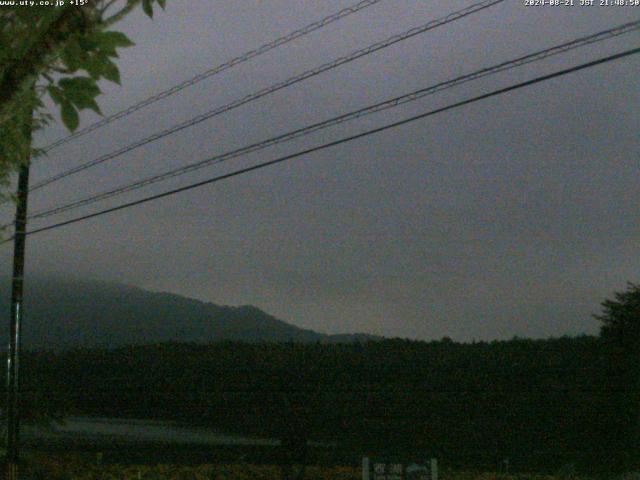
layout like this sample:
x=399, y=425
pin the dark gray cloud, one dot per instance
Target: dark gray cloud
x=513, y=216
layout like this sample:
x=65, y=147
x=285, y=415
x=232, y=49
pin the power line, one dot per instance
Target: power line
x=215, y=70
x=342, y=140
x=274, y=88
x=410, y=97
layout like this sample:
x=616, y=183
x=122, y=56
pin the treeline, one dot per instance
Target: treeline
x=541, y=403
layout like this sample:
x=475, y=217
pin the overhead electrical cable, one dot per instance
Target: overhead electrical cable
x=215, y=70
x=300, y=132
x=274, y=88
x=334, y=143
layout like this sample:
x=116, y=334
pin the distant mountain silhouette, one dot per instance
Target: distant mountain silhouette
x=62, y=314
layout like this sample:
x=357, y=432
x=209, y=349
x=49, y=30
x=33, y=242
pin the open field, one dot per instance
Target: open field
x=42, y=468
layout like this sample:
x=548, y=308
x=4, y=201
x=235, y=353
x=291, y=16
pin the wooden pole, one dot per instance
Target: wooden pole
x=15, y=320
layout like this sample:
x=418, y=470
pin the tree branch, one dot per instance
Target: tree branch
x=107, y=4
x=20, y=71
x=116, y=17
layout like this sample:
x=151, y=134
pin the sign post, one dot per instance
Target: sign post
x=365, y=468
x=375, y=469
x=434, y=469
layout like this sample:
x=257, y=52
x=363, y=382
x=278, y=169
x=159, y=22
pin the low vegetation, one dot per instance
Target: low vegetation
x=51, y=469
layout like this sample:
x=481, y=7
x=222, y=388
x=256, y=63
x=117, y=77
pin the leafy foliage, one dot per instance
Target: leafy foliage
x=621, y=317
x=15, y=140
x=61, y=52
x=621, y=335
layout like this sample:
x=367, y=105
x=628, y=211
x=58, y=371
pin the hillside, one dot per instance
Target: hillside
x=71, y=313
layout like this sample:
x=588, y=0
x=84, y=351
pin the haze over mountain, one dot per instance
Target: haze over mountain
x=63, y=313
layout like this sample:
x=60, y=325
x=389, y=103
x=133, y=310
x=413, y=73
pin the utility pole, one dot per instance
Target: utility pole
x=15, y=321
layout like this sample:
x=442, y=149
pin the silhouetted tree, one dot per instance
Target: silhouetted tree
x=620, y=334
x=621, y=318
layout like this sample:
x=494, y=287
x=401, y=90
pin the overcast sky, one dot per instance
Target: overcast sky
x=513, y=216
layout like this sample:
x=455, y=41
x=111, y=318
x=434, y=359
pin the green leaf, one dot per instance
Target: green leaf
x=162, y=3
x=110, y=53
x=73, y=55
x=77, y=87
x=111, y=72
x=147, y=6
x=69, y=116
x=92, y=105
x=95, y=67
x=81, y=92
x=56, y=94
x=89, y=43
x=111, y=40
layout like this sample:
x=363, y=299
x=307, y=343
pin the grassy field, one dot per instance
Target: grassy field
x=48, y=468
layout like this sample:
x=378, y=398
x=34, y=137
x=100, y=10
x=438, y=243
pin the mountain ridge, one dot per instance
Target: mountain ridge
x=70, y=313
